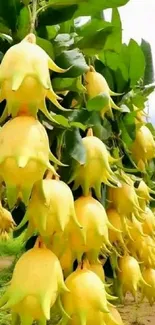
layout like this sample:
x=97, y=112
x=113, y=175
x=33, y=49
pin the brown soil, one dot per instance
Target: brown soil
x=6, y=262
x=137, y=314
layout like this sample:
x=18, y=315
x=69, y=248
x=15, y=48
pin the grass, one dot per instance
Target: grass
x=5, y=277
x=12, y=247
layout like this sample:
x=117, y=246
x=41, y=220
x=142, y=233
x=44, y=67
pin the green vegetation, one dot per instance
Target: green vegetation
x=111, y=106
x=12, y=248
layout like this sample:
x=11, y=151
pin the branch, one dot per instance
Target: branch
x=33, y=16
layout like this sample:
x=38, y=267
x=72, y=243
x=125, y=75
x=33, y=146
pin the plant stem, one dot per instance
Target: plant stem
x=33, y=16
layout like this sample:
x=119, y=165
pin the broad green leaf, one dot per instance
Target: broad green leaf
x=148, y=89
x=52, y=31
x=62, y=42
x=74, y=145
x=121, y=82
x=62, y=120
x=53, y=15
x=102, y=132
x=88, y=8
x=124, y=108
x=3, y=28
x=137, y=63
x=98, y=103
x=125, y=55
x=114, y=41
x=135, y=97
x=66, y=26
x=26, y=2
x=73, y=84
x=128, y=127
x=118, y=62
x=78, y=125
x=74, y=60
x=65, y=2
x=124, y=134
x=46, y=45
x=80, y=115
x=23, y=23
x=124, y=71
x=149, y=68
x=108, y=75
x=151, y=128
x=95, y=42
x=9, y=10
x=112, y=60
x=88, y=119
x=92, y=26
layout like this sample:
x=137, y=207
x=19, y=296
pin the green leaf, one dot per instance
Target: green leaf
x=128, y=127
x=120, y=64
x=91, y=26
x=114, y=41
x=74, y=60
x=26, y=2
x=62, y=120
x=78, y=125
x=9, y=11
x=46, y=45
x=124, y=134
x=90, y=7
x=137, y=62
x=121, y=82
x=124, y=108
x=67, y=26
x=80, y=115
x=3, y=28
x=136, y=97
x=62, y=42
x=53, y=15
x=149, y=68
x=112, y=60
x=148, y=89
x=73, y=84
x=108, y=75
x=104, y=131
x=98, y=103
x=23, y=25
x=52, y=31
x=84, y=117
x=94, y=43
x=151, y=128
x=74, y=145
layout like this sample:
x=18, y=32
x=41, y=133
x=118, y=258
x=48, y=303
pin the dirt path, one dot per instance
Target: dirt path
x=6, y=262
x=137, y=314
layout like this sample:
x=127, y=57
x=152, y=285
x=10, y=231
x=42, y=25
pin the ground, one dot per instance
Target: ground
x=137, y=314
x=132, y=313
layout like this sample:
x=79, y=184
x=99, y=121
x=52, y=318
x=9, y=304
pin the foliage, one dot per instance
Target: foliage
x=75, y=45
